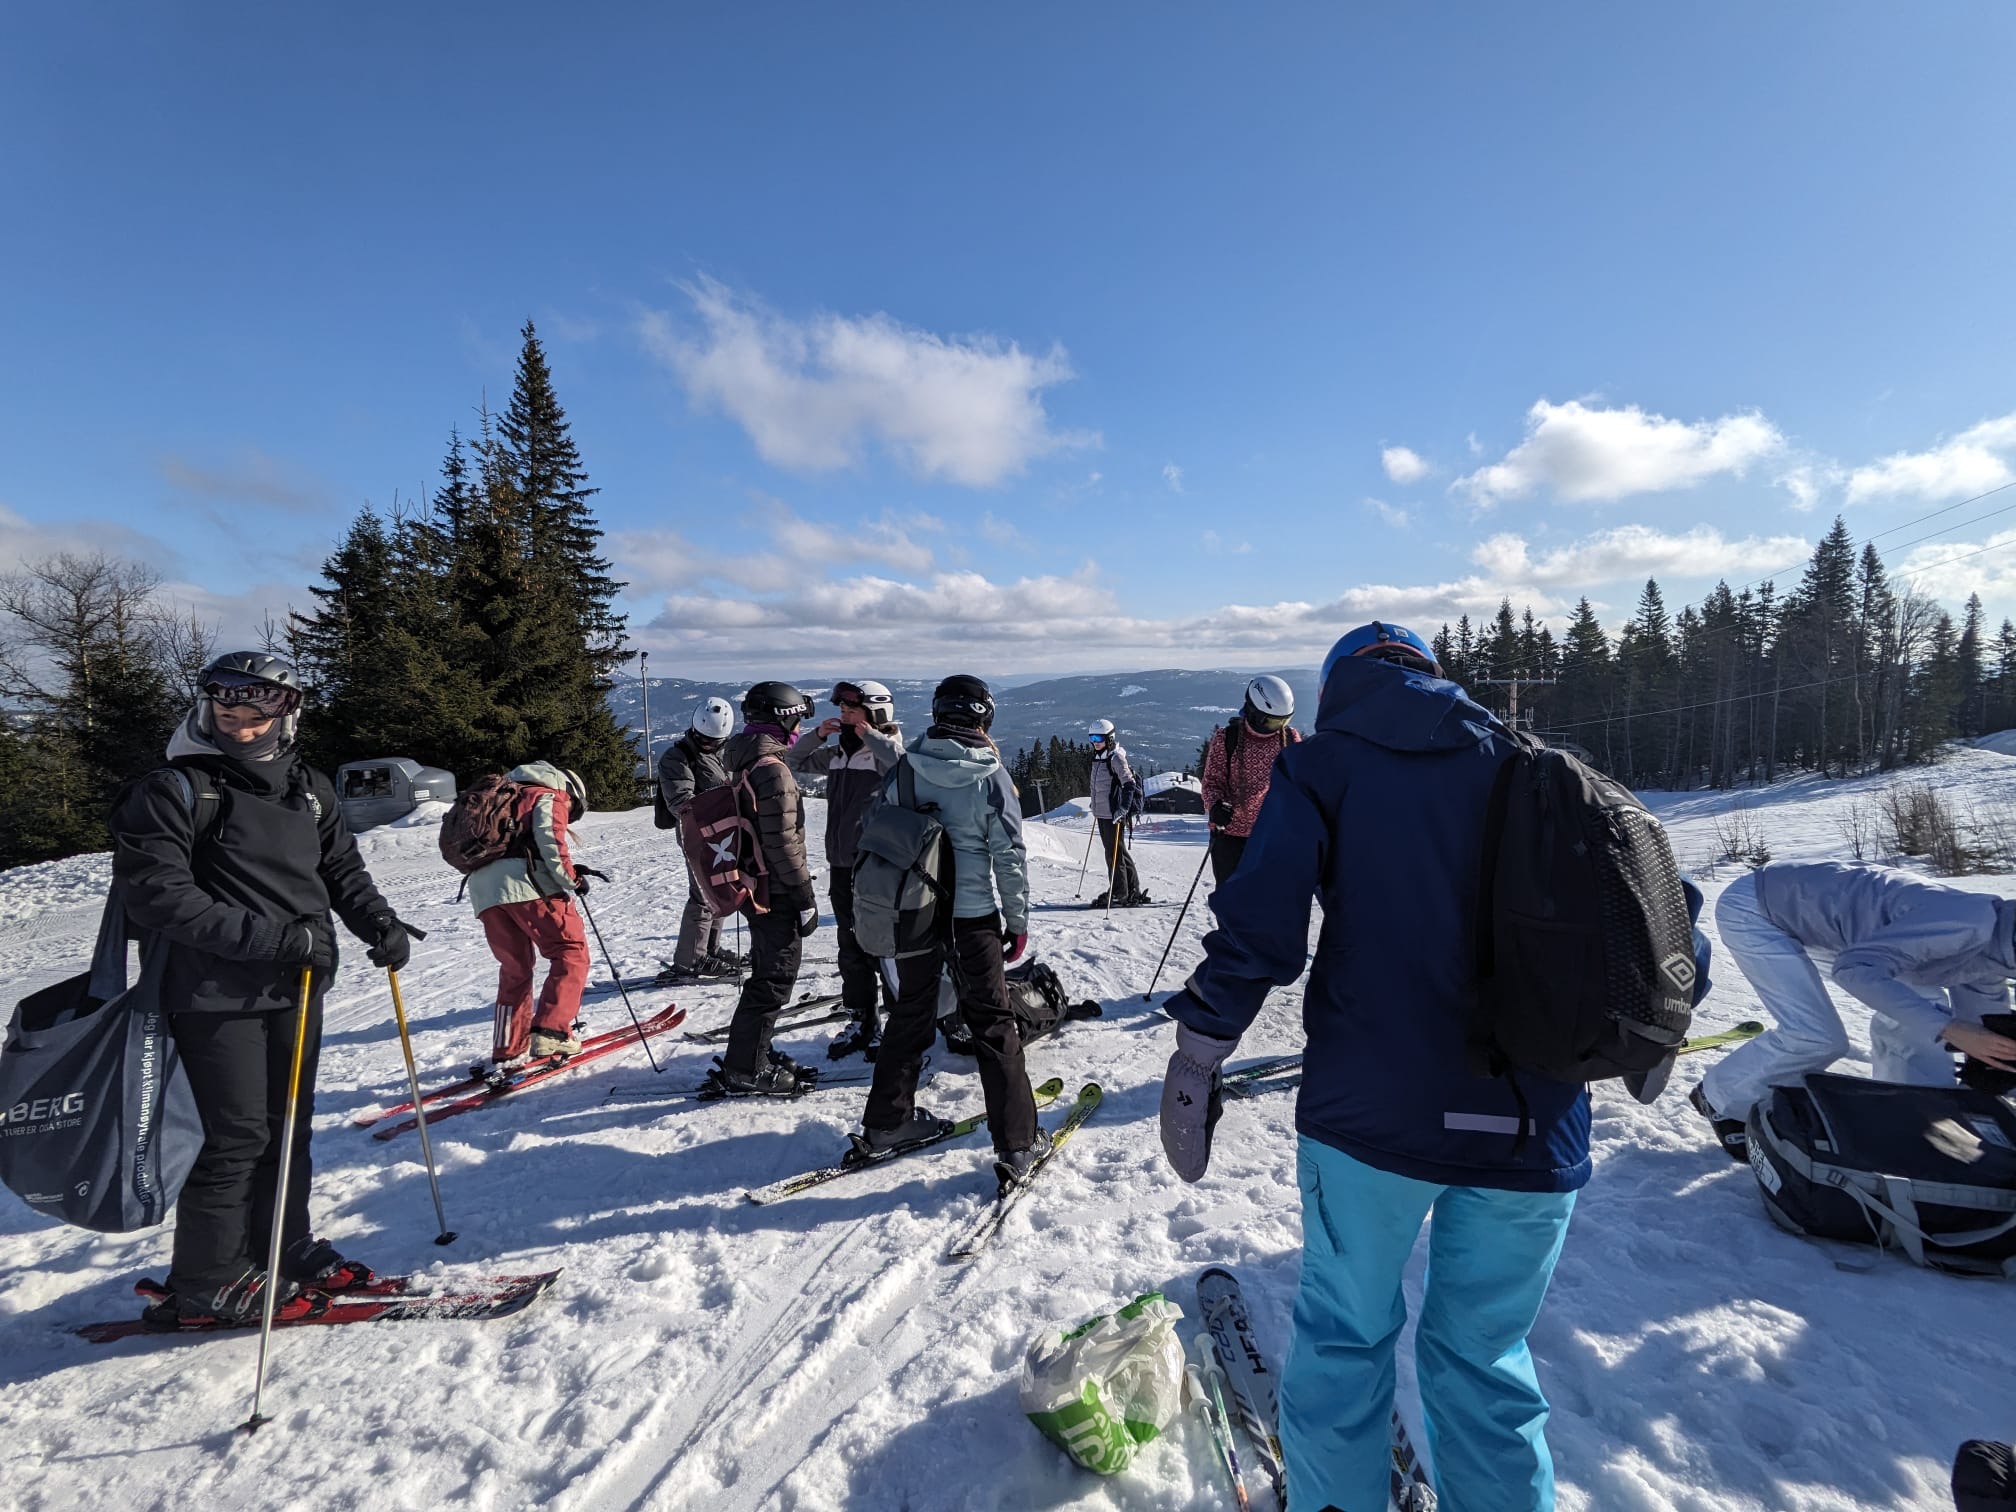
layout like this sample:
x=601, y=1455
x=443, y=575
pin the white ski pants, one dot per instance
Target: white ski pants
x=1806, y=1033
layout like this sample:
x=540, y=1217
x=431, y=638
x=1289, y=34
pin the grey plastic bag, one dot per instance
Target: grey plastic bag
x=98, y=1126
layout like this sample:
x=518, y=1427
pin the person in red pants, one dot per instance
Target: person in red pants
x=526, y=903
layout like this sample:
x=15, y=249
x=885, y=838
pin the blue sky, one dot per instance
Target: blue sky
x=1030, y=338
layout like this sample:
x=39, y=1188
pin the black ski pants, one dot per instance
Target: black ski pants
x=1122, y=881
x=1225, y=853
x=238, y=1065
x=863, y=992
x=983, y=1002
x=773, y=977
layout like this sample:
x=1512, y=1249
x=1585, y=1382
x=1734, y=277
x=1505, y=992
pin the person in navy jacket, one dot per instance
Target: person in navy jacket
x=1380, y=815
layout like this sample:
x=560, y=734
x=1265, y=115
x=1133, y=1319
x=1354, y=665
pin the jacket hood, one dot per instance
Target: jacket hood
x=1403, y=710
x=540, y=774
x=952, y=763
x=749, y=745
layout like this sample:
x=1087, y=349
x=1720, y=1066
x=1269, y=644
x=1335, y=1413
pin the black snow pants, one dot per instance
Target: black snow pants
x=997, y=1042
x=773, y=977
x=238, y=1065
x=1225, y=853
x=863, y=992
x=1122, y=881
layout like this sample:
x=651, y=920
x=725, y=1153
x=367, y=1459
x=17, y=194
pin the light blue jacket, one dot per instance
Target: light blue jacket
x=982, y=816
x=1896, y=939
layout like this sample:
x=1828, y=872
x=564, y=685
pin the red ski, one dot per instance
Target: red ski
x=477, y=1306
x=626, y=1035
x=666, y=1019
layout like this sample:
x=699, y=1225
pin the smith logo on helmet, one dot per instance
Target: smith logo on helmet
x=43, y=1110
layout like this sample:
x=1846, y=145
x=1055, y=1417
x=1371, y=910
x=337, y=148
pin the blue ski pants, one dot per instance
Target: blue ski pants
x=1490, y=1257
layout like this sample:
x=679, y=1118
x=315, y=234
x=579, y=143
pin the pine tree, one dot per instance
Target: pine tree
x=1968, y=655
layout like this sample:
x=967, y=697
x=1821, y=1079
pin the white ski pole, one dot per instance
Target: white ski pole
x=1221, y=1420
x=1082, y=865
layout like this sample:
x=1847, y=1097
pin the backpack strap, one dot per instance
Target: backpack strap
x=205, y=804
x=1231, y=744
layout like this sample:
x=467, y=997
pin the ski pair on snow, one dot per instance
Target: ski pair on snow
x=389, y=1299
x=982, y=1233
x=477, y=1091
x=855, y=1161
x=808, y=1011
x=1256, y=1395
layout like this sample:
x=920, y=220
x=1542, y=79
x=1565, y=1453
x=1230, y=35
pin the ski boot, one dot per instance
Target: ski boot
x=547, y=1044
x=807, y=1076
x=919, y=1128
x=237, y=1304
x=1730, y=1133
x=1098, y=902
x=313, y=1265
x=1012, y=1170
x=770, y=1081
x=720, y=963
x=863, y=1035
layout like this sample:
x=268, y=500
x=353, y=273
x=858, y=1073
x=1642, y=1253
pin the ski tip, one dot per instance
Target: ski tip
x=1748, y=1026
x=1051, y=1088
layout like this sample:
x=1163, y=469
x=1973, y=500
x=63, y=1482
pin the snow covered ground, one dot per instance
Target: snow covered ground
x=818, y=1354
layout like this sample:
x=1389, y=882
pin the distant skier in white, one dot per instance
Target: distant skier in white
x=1928, y=960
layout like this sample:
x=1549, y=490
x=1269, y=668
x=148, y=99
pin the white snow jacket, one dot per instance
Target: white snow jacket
x=1896, y=940
x=1109, y=773
x=982, y=816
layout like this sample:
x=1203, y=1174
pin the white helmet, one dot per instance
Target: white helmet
x=1100, y=727
x=872, y=696
x=714, y=718
x=577, y=792
x=1268, y=700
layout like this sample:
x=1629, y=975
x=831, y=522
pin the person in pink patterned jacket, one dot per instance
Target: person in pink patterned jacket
x=1238, y=763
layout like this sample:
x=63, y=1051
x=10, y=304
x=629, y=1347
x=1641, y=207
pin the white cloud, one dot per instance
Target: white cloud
x=1404, y=465
x=251, y=477
x=1173, y=476
x=1476, y=447
x=1808, y=481
x=1581, y=454
x=1950, y=570
x=1631, y=553
x=813, y=394
x=1978, y=459
x=1002, y=533
x=653, y=561
x=1217, y=545
x=1392, y=514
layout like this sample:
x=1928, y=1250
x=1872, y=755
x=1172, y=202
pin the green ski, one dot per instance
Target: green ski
x=982, y=1233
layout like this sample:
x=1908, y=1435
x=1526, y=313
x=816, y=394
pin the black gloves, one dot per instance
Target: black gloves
x=581, y=876
x=392, y=942
x=309, y=942
x=1221, y=814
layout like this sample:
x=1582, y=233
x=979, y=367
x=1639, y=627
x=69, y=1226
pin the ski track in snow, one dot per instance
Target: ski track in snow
x=819, y=1353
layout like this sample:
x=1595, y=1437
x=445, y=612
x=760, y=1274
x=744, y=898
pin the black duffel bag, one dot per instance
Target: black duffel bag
x=1930, y=1171
x=98, y=1126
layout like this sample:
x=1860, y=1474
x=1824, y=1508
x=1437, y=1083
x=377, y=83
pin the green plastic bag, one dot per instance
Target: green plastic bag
x=1110, y=1385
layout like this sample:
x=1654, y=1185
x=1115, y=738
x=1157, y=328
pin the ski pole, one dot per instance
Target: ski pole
x=413, y=1081
x=1082, y=865
x=257, y=1420
x=582, y=899
x=1221, y=1422
x=1179, y=924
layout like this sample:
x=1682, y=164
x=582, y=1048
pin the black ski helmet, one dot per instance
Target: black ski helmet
x=243, y=669
x=775, y=703
x=964, y=702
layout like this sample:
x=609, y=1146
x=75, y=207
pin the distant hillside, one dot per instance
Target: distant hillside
x=1163, y=716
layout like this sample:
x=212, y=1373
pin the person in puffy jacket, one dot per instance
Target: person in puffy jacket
x=771, y=714
x=865, y=743
x=957, y=767
x=692, y=765
x=235, y=854
x=525, y=902
x=1238, y=764
x=1116, y=799
x=1929, y=961
x=1380, y=814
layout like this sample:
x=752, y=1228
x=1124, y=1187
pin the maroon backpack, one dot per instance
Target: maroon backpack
x=488, y=822
x=724, y=852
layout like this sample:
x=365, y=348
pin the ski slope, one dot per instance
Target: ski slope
x=818, y=1354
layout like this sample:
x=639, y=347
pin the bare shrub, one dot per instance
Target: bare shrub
x=1859, y=826
x=1922, y=823
x=1738, y=837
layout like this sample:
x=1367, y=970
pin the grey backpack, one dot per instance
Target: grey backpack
x=98, y=1127
x=903, y=874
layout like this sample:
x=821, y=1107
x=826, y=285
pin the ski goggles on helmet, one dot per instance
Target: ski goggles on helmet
x=846, y=695
x=266, y=698
x=1267, y=724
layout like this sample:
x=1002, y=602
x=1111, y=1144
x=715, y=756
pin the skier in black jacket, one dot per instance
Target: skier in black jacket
x=691, y=766
x=235, y=854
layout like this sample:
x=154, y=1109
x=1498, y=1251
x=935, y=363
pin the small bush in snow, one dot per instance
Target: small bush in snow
x=1860, y=827
x=1921, y=823
x=1738, y=837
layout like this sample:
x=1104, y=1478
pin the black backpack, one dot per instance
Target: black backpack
x=903, y=874
x=1585, y=951
x=1038, y=999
